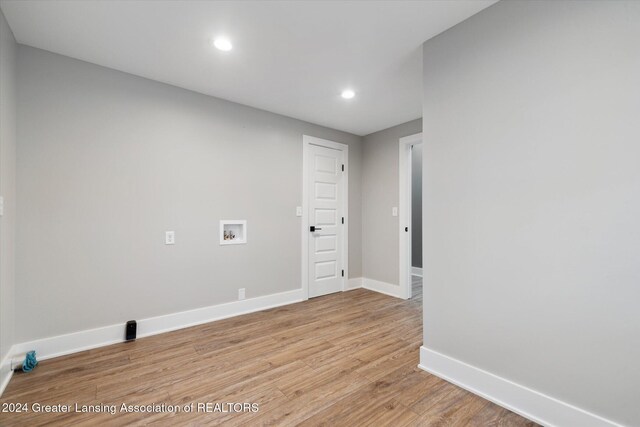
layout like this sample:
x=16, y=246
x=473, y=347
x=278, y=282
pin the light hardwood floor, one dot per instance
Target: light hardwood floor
x=346, y=359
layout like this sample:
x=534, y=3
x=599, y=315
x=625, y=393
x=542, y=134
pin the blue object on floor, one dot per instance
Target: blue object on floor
x=30, y=362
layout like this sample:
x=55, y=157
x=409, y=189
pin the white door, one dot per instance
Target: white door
x=326, y=220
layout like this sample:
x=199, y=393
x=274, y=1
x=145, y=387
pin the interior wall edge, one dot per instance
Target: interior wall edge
x=8, y=144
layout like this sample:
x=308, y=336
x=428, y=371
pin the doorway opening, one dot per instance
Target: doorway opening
x=411, y=215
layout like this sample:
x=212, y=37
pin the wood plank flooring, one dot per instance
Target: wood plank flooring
x=346, y=359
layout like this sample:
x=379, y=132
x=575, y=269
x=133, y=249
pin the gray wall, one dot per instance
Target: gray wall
x=7, y=184
x=107, y=162
x=379, y=194
x=531, y=194
x=416, y=206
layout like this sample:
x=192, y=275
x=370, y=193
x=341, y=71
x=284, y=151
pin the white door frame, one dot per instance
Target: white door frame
x=306, y=142
x=405, y=212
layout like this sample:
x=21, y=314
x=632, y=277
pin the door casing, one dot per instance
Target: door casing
x=306, y=142
x=404, y=265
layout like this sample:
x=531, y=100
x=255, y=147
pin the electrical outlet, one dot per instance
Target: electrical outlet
x=241, y=293
x=170, y=238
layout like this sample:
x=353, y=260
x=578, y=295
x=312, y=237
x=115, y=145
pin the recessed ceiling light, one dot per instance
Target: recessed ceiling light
x=222, y=44
x=347, y=94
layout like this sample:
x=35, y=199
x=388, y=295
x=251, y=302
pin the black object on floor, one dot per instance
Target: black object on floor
x=132, y=326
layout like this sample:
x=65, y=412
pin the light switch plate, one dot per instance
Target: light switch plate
x=394, y=211
x=170, y=238
x=298, y=210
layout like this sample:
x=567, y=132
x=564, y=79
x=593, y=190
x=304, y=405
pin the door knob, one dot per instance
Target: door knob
x=314, y=228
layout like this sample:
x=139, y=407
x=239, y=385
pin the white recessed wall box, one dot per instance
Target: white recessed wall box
x=233, y=231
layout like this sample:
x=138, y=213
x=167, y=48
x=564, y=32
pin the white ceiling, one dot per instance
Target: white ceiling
x=289, y=57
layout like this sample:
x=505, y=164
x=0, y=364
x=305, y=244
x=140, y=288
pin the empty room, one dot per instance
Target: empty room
x=337, y=213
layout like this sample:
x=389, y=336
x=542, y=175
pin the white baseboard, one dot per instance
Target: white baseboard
x=354, y=283
x=5, y=370
x=416, y=271
x=382, y=287
x=531, y=404
x=61, y=345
